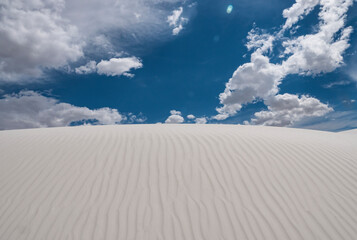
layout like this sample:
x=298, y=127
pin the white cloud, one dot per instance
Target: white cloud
x=191, y=116
x=90, y=67
x=334, y=121
x=131, y=118
x=311, y=54
x=202, y=120
x=37, y=35
x=297, y=11
x=33, y=35
x=175, y=117
x=286, y=109
x=142, y=18
x=259, y=40
x=174, y=112
x=111, y=67
x=352, y=72
x=349, y=101
x=257, y=79
x=176, y=21
x=338, y=83
x=175, y=17
x=320, y=52
x=29, y=109
x=316, y=53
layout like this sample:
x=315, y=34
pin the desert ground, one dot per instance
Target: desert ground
x=178, y=182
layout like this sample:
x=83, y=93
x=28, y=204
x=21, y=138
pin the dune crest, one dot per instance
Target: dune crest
x=177, y=182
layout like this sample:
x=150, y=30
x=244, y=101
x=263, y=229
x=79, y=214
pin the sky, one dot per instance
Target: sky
x=264, y=62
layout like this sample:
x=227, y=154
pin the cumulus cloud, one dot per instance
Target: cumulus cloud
x=33, y=35
x=256, y=79
x=29, y=109
x=176, y=21
x=316, y=53
x=191, y=116
x=286, y=109
x=37, y=35
x=311, y=54
x=175, y=117
x=174, y=112
x=322, y=51
x=119, y=66
x=111, y=67
x=202, y=120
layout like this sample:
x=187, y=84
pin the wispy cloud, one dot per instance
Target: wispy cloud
x=90, y=67
x=176, y=21
x=43, y=34
x=352, y=72
x=338, y=83
x=334, y=121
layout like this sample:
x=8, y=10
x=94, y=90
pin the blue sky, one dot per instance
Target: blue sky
x=181, y=64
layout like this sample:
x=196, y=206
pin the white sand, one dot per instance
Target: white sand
x=178, y=182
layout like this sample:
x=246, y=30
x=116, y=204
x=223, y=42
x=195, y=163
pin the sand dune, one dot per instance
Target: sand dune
x=177, y=182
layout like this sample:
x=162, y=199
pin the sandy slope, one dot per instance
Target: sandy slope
x=177, y=182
